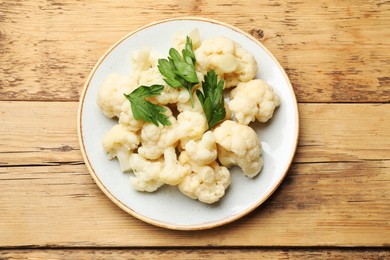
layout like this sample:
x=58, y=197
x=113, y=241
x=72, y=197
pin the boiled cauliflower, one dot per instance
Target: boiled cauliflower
x=187, y=106
x=245, y=70
x=110, y=97
x=169, y=95
x=150, y=151
x=144, y=59
x=204, y=151
x=150, y=76
x=190, y=126
x=173, y=172
x=155, y=139
x=146, y=173
x=239, y=144
x=228, y=59
x=179, y=40
x=207, y=183
x=119, y=142
x=253, y=100
x=217, y=54
x=228, y=112
x=181, y=107
x=127, y=119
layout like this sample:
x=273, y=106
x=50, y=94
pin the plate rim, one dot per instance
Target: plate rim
x=206, y=225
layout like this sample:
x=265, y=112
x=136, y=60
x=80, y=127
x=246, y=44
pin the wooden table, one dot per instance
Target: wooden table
x=335, y=200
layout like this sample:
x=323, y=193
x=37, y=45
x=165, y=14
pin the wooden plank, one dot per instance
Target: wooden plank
x=333, y=51
x=44, y=133
x=318, y=204
x=343, y=132
x=218, y=254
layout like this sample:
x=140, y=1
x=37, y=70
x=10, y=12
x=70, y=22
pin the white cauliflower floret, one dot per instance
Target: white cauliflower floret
x=228, y=59
x=190, y=126
x=181, y=107
x=179, y=41
x=110, y=97
x=205, y=183
x=228, y=112
x=127, y=119
x=173, y=172
x=239, y=144
x=144, y=59
x=146, y=173
x=187, y=106
x=155, y=139
x=216, y=53
x=253, y=100
x=169, y=95
x=151, y=76
x=244, y=108
x=203, y=152
x=119, y=142
x=246, y=68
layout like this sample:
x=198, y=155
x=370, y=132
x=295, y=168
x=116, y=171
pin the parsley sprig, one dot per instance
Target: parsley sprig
x=145, y=110
x=179, y=71
x=211, y=99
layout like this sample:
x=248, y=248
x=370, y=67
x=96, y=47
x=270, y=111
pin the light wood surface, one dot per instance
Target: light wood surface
x=333, y=51
x=335, y=200
x=195, y=254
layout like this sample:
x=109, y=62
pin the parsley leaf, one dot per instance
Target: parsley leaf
x=146, y=110
x=211, y=99
x=179, y=70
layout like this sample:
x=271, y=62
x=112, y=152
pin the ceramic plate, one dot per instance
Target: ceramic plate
x=168, y=207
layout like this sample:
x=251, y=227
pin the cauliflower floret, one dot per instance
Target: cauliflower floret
x=146, y=173
x=155, y=139
x=205, y=183
x=119, y=142
x=190, y=126
x=253, y=100
x=173, y=172
x=169, y=95
x=151, y=76
x=179, y=41
x=239, y=144
x=144, y=59
x=246, y=68
x=187, y=106
x=228, y=59
x=181, y=107
x=211, y=51
x=203, y=152
x=127, y=119
x=228, y=112
x=244, y=108
x=110, y=97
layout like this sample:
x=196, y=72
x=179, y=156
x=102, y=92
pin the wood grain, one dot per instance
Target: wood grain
x=335, y=196
x=45, y=133
x=218, y=254
x=318, y=204
x=38, y=133
x=333, y=51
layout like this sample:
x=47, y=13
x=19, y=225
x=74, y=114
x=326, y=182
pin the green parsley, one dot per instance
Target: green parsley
x=179, y=71
x=211, y=99
x=146, y=110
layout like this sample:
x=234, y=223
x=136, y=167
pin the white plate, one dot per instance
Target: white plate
x=168, y=207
